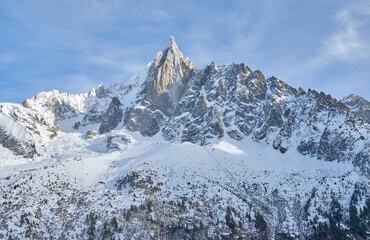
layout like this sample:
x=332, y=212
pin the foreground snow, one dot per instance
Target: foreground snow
x=76, y=176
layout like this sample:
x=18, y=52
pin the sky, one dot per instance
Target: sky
x=74, y=45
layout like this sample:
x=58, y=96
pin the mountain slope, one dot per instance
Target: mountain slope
x=180, y=152
x=15, y=137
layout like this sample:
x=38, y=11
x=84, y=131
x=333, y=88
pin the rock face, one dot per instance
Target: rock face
x=170, y=75
x=100, y=91
x=112, y=116
x=147, y=122
x=16, y=138
x=358, y=105
x=63, y=111
x=91, y=134
x=118, y=141
x=166, y=82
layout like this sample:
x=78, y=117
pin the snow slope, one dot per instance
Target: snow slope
x=79, y=176
x=14, y=128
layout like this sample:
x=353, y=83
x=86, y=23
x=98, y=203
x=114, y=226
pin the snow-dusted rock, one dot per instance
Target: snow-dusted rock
x=112, y=117
x=211, y=153
x=358, y=105
x=118, y=141
x=16, y=137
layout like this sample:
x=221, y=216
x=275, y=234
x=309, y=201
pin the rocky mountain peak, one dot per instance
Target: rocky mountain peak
x=171, y=45
x=100, y=91
x=173, y=98
x=172, y=55
x=353, y=98
x=358, y=105
x=168, y=78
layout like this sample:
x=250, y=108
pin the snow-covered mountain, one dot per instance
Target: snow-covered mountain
x=358, y=105
x=179, y=152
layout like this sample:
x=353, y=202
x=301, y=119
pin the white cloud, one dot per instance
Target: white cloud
x=346, y=43
x=350, y=41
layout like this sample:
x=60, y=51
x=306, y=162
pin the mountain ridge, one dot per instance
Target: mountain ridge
x=226, y=96
x=179, y=152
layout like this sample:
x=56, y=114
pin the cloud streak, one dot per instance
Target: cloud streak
x=347, y=42
x=337, y=64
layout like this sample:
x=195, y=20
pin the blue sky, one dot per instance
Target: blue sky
x=74, y=45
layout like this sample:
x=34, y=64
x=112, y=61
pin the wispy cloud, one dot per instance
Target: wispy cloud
x=345, y=46
x=349, y=41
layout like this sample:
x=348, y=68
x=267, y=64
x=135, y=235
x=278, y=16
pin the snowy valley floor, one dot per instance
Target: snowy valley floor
x=127, y=186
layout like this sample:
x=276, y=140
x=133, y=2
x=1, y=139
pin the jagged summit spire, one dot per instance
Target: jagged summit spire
x=170, y=74
x=171, y=43
x=172, y=47
x=171, y=54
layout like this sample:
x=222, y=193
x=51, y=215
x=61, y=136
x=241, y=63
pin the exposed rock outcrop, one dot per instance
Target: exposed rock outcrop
x=16, y=137
x=358, y=105
x=112, y=117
